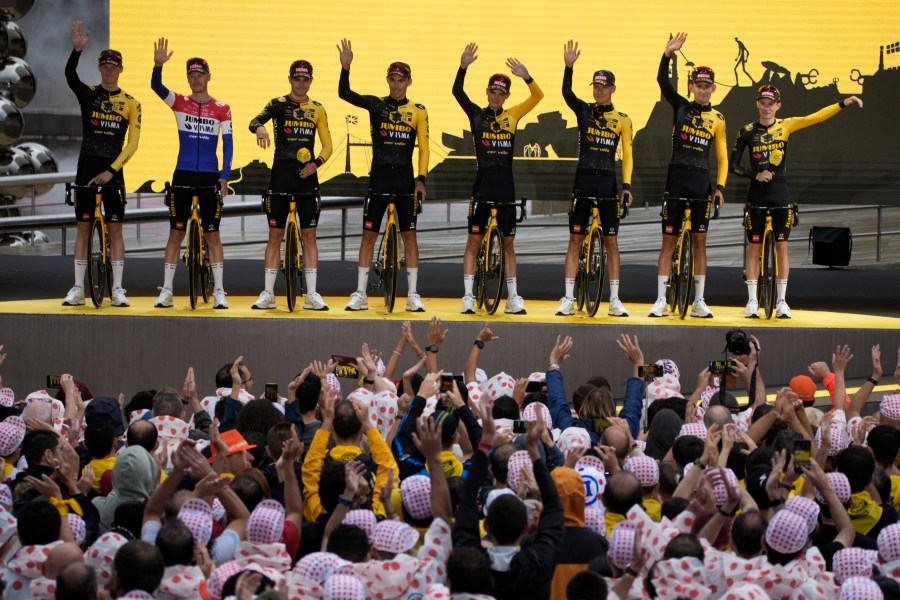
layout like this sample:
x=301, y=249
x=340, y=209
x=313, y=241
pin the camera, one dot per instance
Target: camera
x=737, y=342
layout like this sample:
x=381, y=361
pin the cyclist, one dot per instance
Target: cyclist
x=601, y=128
x=768, y=186
x=396, y=125
x=697, y=126
x=106, y=114
x=295, y=121
x=199, y=118
x=493, y=132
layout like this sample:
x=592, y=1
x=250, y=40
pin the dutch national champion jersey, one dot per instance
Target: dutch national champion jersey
x=761, y=141
x=396, y=126
x=600, y=130
x=494, y=134
x=198, y=124
x=696, y=129
x=294, y=127
x=105, y=116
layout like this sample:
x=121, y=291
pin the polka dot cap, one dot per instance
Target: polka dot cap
x=644, y=468
x=344, y=587
x=590, y=461
x=383, y=411
x=415, y=491
x=853, y=562
x=595, y=518
x=218, y=509
x=889, y=543
x=361, y=394
x=6, y=500
x=500, y=384
x=197, y=516
x=100, y=556
x=78, y=527
x=139, y=415
x=394, y=536
x=362, y=518
x=860, y=588
x=538, y=376
x=7, y=524
x=840, y=439
x=7, y=397
x=719, y=491
x=39, y=396
x=694, y=429
x=890, y=406
x=786, y=532
x=621, y=544
x=749, y=591
x=216, y=580
x=11, y=436
x=840, y=484
x=266, y=523
x=319, y=566
x=517, y=461
x=171, y=427
x=475, y=392
x=594, y=483
x=574, y=437
x=806, y=508
x=530, y=413
x=331, y=382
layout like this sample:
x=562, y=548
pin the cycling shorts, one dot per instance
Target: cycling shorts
x=210, y=204
x=286, y=179
x=113, y=197
x=596, y=186
x=755, y=222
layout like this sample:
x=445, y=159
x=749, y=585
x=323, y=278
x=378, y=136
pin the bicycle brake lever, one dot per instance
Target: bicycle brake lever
x=716, y=212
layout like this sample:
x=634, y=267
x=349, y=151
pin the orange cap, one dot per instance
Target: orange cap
x=235, y=442
x=804, y=387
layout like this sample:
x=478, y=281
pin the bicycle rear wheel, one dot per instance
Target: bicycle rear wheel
x=98, y=270
x=579, y=275
x=765, y=287
x=685, y=275
x=195, y=277
x=493, y=270
x=672, y=283
x=478, y=284
x=206, y=274
x=391, y=265
x=291, y=264
x=595, y=272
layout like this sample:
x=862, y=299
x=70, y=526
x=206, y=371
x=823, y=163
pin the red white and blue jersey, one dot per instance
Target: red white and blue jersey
x=199, y=124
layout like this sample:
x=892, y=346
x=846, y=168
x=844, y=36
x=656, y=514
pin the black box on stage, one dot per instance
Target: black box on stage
x=831, y=246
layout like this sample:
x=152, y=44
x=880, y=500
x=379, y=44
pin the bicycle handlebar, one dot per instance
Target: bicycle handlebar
x=794, y=207
x=519, y=204
x=598, y=199
x=98, y=188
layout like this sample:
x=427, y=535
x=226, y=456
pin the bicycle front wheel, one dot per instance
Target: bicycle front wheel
x=595, y=272
x=98, y=270
x=206, y=273
x=291, y=264
x=685, y=276
x=765, y=287
x=493, y=270
x=195, y=277
x=391, y=265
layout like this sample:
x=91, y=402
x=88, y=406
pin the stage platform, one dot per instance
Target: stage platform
x=142, y=347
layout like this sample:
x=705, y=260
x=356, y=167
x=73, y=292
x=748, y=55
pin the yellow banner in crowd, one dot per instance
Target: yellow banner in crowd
x=250, y=43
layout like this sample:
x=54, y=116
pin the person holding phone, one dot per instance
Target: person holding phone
x=493, y=131
x=397, y=126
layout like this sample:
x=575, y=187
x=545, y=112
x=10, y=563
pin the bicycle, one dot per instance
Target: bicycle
x=99, y=272
x=768, y=258
x=490, y=267
x=680, y=285
x=196, y=254
x=591, y=274
x=292, y=256
x=388, y=262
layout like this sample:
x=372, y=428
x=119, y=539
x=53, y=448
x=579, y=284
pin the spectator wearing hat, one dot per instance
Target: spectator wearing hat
x=199, y=118
x=296, y=120
x=104, y=153
x=401, y=125
x=12, y=433
x=494, y=130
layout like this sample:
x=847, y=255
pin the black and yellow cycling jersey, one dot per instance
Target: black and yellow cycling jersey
x=295, y=125
x=761, y=140
x=105, y=118
x=696, y=128
x=600, y=130
x=494, y=133
x=396, y=127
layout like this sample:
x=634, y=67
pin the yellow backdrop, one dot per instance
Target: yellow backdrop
x=250, y=43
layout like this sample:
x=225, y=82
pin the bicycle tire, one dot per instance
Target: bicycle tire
x=192, y=257
x=206, y=275
x=685, y=275
x=579, y=275
x=290, y=264
x=493, y=269
x=765, y=286
x=672, y=283
x=391, y=265
x=478, y=284
x=98, y=268
x=595, y=274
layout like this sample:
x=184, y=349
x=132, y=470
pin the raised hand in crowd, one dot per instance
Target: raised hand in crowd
x=632, y=350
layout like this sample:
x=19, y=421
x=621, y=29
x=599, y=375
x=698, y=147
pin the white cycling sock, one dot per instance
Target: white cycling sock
x=613, y=288
x=412, y=276
x=468, y=283
x=362, y=280
x=118, y=266
x=751, y=289
x=311, y=276
x=169, y=275
x=699, y=285
x=780, y=290
x=570, y=288
x=271, y=276
x=661, y=286
x=511, y=287
x=218, y=270
x=80, y=269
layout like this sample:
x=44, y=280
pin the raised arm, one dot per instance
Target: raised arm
x=161, y=55
x=662, y=75
x=560, y=412
x=570, y=55
x=80, y=38
x=344, y=91
x=519, y=70
x=428, y=441
x=862, y=396
x=469, y=56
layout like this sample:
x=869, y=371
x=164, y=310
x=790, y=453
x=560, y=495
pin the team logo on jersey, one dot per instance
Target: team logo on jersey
x=304, y=155
x=297, y=113
x=766, y=138
x=395, y=117
x=107, y=106
x=495, y=126
x=698, y=121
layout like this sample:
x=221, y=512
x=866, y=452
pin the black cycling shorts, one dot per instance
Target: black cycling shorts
x=286, y=179
x=596, y=186
x=210, y=204
x=493, y=185
x=384, y=181
x=113, y=197
x=755, y=222
x=687, y=183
